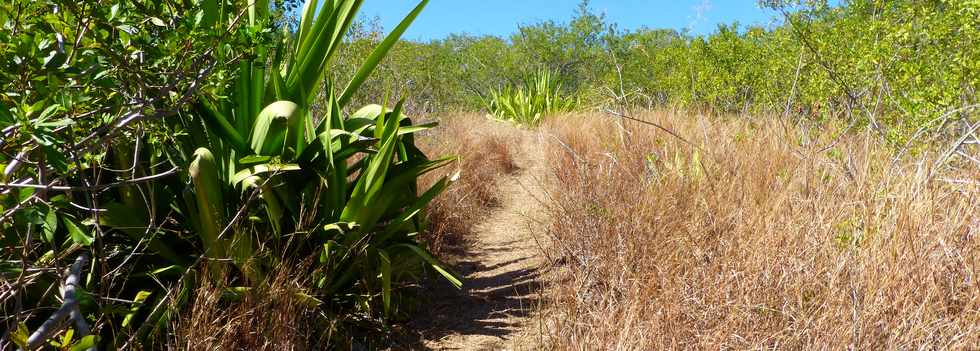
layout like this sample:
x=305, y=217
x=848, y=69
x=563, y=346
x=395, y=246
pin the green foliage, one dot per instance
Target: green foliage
x=292, y=155
x=357, y=216
x=82, y=81
x=896, y=66
x=540, y=95
x=161, y=139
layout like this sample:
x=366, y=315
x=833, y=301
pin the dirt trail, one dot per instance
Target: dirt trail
x=501, y=266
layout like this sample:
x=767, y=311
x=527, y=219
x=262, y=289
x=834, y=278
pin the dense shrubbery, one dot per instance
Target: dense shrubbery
x=895, y=65
x=152, y=149
x=85, y=90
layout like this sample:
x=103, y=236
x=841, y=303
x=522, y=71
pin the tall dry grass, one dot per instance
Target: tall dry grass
x=277, y=315
x=762, y=235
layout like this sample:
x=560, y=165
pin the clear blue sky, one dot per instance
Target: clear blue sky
x=501, y=17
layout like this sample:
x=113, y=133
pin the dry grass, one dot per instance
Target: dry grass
x=273, y=316
x=773, y=243
x=484, y=154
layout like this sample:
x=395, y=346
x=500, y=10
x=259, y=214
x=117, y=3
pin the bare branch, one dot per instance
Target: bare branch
x=96, y=187
x=668, y=131
x=69, y=308
x=956, y=146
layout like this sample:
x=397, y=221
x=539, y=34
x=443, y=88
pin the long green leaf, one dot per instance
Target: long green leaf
x=210, y=202
x=378, y=54
x=271, y=127
x=414, y=209
x=314, y=52
x=244, y=174
x=454, y=278
x=243, y=105
x=306, y=19
x=367, y=209
x=220, y=125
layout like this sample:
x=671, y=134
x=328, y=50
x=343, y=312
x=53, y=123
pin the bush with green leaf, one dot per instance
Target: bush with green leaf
x=894, y=66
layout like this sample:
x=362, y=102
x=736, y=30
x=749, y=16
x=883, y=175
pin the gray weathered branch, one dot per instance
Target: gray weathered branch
x=69, y=309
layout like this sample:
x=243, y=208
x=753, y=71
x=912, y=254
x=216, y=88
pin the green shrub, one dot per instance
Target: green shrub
x=896, y=66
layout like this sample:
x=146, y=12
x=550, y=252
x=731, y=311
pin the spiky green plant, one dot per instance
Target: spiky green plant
x=273, y=165
x=538, y=95
x=345, y=183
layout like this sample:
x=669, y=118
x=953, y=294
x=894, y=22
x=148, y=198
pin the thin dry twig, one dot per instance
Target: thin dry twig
x=96, y=187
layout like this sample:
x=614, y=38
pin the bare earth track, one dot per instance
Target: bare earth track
x=501, y=265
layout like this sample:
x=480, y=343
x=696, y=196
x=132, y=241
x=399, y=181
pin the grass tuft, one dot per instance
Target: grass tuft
x=275, y=315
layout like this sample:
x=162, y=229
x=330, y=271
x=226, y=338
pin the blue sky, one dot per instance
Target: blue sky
x=501, y=17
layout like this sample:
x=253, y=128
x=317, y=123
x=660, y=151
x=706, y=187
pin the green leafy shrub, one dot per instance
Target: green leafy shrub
x=895, y=67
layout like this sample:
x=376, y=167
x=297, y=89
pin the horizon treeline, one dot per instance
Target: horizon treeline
x=896, y=66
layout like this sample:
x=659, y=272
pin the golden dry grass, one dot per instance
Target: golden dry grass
x=762, y=236
x=784, y=239
x=273, y=316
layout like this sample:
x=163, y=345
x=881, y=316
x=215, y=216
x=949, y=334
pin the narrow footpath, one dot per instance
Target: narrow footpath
x=502, y=266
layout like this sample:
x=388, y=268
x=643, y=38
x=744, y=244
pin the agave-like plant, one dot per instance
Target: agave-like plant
x=275, y=162
x=347, y=182
x=276, y=166
x=538, y=95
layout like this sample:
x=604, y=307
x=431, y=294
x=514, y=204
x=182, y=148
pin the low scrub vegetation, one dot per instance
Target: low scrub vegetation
x=226, y=174
x=754, y=233
x=896, y=66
